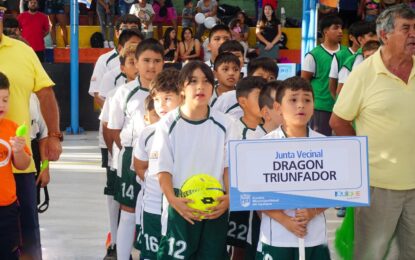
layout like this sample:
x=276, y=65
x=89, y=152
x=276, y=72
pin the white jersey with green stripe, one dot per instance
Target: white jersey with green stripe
x=228, y=104
x=105, y=62
x=240, y=131
x=184, y=148
x=275, y=234
x=112, y=79
x=127, y=111
x=152, y=196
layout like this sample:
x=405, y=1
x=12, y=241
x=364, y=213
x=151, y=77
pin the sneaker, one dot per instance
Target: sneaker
x=111, y=44
x=106, y=45
x=111, y=253
x=341, y=212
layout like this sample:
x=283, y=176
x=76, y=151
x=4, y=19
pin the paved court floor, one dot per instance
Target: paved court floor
x=76, y=224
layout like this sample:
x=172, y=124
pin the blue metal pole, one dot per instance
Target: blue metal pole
x=309, y=30
x=74, y=67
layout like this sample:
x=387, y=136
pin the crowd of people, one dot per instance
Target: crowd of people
x=159, y=126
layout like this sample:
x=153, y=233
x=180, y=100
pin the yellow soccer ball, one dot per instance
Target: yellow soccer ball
x=203, y=190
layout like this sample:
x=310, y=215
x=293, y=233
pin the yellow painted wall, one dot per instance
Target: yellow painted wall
x=293, y=34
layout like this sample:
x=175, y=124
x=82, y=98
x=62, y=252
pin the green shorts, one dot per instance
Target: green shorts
x=238, y=229
x=104, y=157
x=138, y=232
x=111, y=182
x=127, y=186
x=255, y=228
x=150, y=235
x=320, y=252
x=205, y=240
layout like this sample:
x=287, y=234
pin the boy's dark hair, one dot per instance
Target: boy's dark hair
x=9, y=26
x=4, y=81
x=248, y=84
x=217, y=28
x=188, y=69
x=186, y=2
x=294, y=84
x=126, y=35
x=361, y=28
x=166, y=81
x=264, y=63
x=10, y=22
x=230, y=46
x=149, y=44
x=127, y=18
x=226, y=57
x=328, y=21
x=371, y=46
x=149, y=103
x=184, y=31
x=127, y=51
x=265, y=98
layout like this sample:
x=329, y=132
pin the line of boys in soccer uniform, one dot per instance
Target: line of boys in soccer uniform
x=170, y=125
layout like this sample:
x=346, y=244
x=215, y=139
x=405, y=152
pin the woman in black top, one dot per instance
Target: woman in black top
x=268, y=32
x=189, y=47
x=170, y=44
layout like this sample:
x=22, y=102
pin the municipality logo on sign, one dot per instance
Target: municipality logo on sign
x=245, y=200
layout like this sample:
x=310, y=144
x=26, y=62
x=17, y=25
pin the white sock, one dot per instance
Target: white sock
x=113, y=213
x=125, y=236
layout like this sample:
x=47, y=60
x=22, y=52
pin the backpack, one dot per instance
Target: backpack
x=97, y=40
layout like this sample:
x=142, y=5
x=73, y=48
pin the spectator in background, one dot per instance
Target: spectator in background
x=244, y=33
x=348, y=11
x=124, y=6
x=268, y=32
x=13, y=6
x=145, y=13
x=325, y=10
x=187, y=14
x=388, y=3
x=106, y=11
x=164, y=13
x=209, y=8
x=34, y=26
x=189, y=47
x=369, y=10
x=55, y=9
x=170, y=45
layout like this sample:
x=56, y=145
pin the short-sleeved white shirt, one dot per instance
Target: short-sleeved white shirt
x=112, y=79
x=105, y=62
x=344, y=72
x=127, y=111
x=144, y=14
x=274, y=234
x=228, y=104
x=184, y=148
x=152, y=197
x=309, y=64
x=104, y=117
x=38, y=125
x=240, y=131
x=334, y=69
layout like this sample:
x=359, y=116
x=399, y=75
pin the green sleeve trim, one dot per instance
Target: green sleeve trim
x=148, y=138
x=218, y=124
x=174, y=123
x=232, y=107
x=113, y=56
